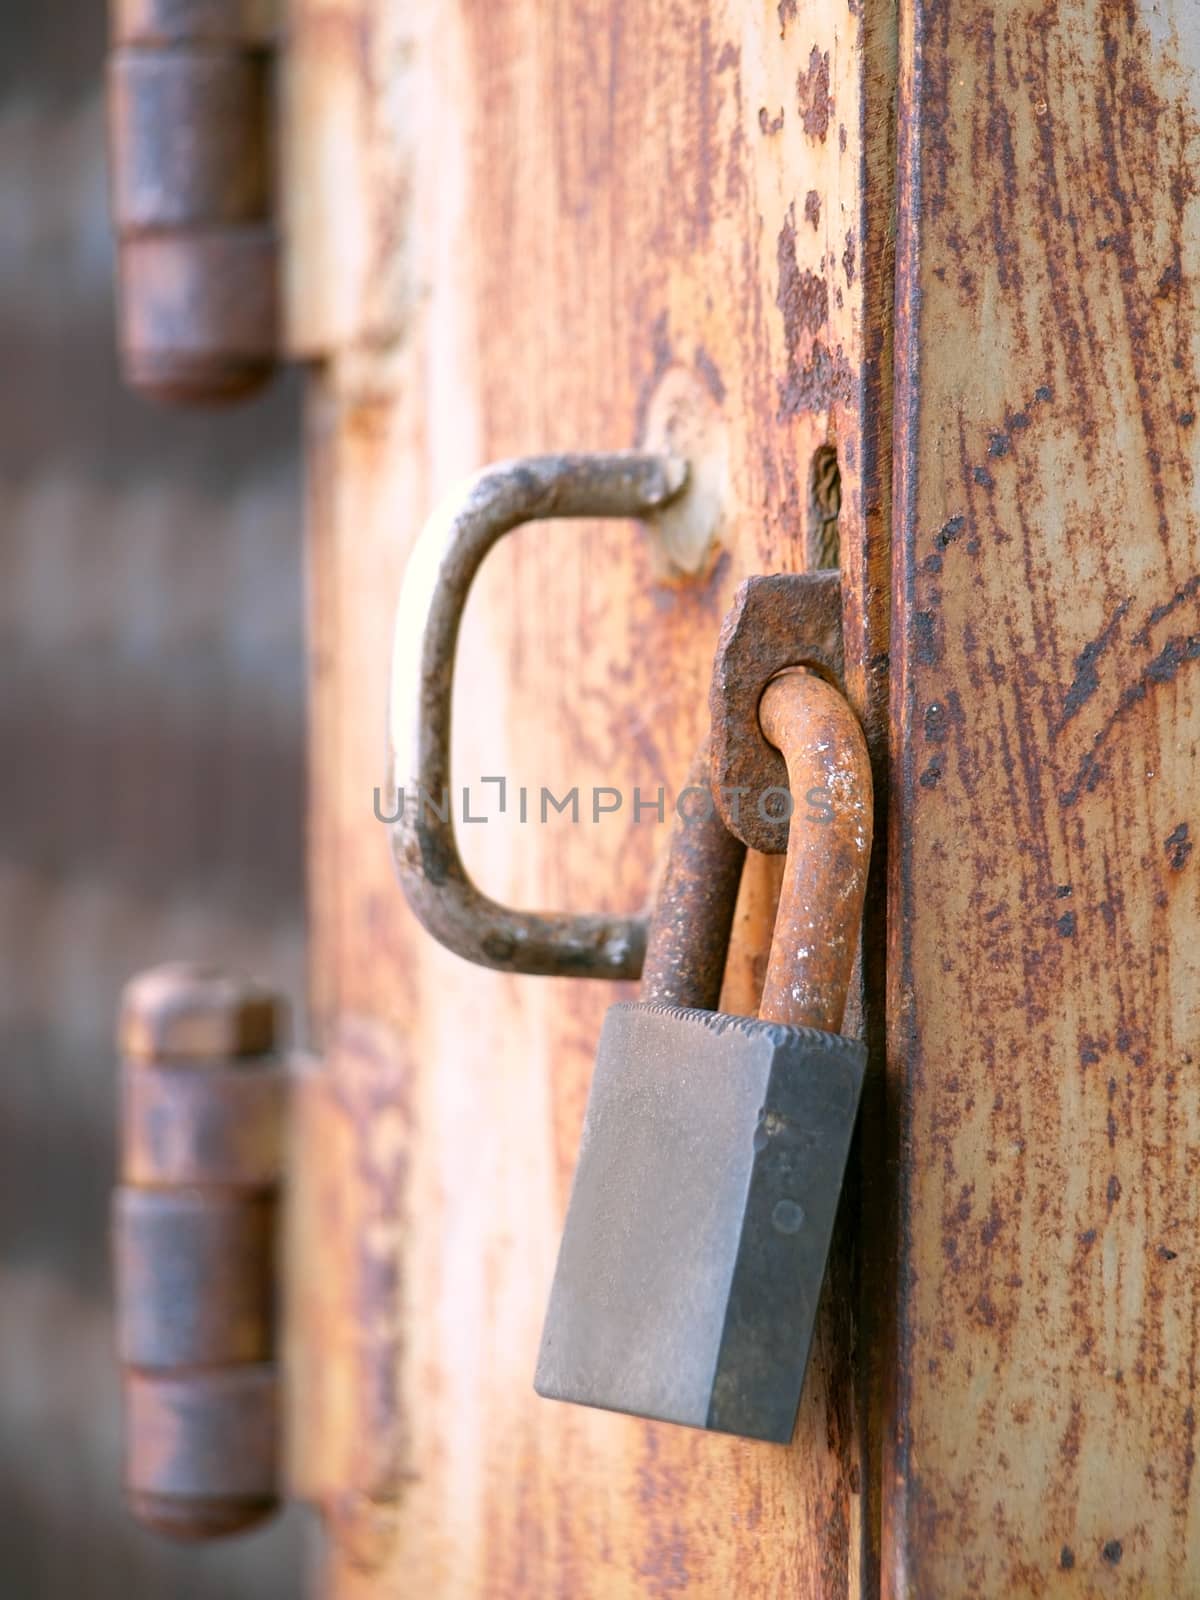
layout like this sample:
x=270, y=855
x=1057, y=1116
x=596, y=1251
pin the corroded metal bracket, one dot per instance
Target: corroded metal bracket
x=438, y=578
x=190, y=96
x=194, y=1238
x=785, y=620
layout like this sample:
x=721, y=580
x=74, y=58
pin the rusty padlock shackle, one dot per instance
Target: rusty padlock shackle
x=437, y=581
x=825, y=877
x=829, y=850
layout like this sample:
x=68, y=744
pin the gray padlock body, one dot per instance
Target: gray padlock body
x=699, y=1224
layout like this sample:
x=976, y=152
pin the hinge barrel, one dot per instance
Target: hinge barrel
x=195, y=1240
x=191, y=134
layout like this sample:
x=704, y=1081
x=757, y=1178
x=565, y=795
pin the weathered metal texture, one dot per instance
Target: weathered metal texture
x=192, y=155
x=437, y=581
x=202, y=1122
x=829, y=850
x=195, y=1277
x=187, y=145
x=784, y=620
x=1045, y=987
x=602, y=214
x=195, y=1255
x=688, y=935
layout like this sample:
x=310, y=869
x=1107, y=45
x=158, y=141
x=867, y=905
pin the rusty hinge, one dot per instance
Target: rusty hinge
x=257, y=1234
x=191, y=121
x=195, y=1238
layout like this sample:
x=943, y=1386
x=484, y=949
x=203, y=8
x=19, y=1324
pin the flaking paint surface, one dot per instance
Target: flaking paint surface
x=584, y=197
x=1045, y=969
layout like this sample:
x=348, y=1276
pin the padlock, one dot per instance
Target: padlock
x=714, y=1147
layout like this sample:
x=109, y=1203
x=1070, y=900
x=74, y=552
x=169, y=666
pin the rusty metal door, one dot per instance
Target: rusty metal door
x=552, y=228
x=912, y=290
x=1044, y=994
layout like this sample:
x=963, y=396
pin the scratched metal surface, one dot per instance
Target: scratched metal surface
x=544, y=216
x=1045, y=988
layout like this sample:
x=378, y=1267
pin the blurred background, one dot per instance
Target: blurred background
x=152, y=803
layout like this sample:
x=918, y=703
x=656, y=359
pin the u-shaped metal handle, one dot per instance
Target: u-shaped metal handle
x=440, y=571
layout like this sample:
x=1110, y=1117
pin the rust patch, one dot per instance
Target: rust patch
x=949, y=532
x=1087, y=679
x=813, y=99
x=804, y=302
x=1178, y=847
x=816, y=376
x=1159, y=613
x=767, y=123
x=1161, y=669
x=710, y=373
x=812, y=208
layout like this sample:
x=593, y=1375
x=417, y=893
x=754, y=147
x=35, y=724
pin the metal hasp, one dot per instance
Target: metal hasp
x=194, y=1243
x=777, y=621
x=714, y=1146
x=190, y=137
x=437, y=580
